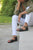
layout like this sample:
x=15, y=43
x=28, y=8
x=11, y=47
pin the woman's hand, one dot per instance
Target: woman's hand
x=18, y=0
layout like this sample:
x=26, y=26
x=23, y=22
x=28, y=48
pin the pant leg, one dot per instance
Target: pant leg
x=28, y=19
x=14, y=24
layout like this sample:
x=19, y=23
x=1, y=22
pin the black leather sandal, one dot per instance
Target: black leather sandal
x=20, y=29
x=10, y=41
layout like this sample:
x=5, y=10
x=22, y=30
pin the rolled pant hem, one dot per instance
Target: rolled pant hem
x=14, y=34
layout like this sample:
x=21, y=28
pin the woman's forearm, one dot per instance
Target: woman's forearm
x=22, y=13
x=18, y=6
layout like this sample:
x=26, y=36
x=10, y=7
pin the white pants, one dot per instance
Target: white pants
x=28, y=20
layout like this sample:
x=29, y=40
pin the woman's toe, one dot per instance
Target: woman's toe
x=8, y=41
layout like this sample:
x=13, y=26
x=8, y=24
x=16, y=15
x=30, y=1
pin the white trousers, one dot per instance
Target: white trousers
x=28, y=20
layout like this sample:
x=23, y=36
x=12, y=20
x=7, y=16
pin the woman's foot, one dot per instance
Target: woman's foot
x=23, y=28
x=14, y=39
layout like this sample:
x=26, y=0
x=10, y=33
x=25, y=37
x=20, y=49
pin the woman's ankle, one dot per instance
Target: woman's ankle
x=14, y=35
x=25, y=24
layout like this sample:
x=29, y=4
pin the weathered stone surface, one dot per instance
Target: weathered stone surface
x=26, y=40
x=5, y=35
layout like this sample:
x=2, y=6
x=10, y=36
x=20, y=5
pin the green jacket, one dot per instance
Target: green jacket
x=26, y=4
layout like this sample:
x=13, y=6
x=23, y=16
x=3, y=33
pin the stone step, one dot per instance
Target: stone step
x=26, y=40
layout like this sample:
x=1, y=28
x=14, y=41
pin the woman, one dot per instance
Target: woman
x=21, y=15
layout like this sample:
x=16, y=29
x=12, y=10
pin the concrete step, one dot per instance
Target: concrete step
x=26, y=40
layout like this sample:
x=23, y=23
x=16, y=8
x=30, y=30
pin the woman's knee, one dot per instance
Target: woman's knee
x=14, y=17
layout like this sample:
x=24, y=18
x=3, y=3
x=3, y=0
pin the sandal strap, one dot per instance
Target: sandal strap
x=20, y=29
x=26, y=26
x=13, y=40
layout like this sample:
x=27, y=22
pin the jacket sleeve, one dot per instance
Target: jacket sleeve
x=29, y=9
x=16, y=12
